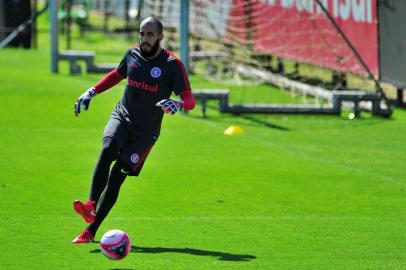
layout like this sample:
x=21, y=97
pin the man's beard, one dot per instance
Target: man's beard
x=152, y=51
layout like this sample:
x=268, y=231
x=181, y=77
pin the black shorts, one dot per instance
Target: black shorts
x=134, y=146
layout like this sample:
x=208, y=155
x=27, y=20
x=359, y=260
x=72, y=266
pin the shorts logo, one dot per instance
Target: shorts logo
x=155, y=72
x=134, y=158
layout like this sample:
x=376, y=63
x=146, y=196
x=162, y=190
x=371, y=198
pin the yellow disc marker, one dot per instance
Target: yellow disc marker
x=233, y=130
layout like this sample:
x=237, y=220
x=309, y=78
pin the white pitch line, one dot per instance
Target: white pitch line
x=212, y=218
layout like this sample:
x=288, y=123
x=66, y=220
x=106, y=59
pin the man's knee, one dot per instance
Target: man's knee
x=110, y=148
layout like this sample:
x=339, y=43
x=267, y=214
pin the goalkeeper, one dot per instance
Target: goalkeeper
x=152, y=73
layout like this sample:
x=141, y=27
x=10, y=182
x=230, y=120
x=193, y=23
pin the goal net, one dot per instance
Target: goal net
x=228, y=37
x=294, y=36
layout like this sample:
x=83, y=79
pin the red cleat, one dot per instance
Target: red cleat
x=84, y=237
x=86, y=210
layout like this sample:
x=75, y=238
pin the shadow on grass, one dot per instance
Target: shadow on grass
x=265, y=123
x=250, y=118
x=222, y=256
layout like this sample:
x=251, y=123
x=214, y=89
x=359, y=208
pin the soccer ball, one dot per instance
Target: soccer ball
x=115, y=244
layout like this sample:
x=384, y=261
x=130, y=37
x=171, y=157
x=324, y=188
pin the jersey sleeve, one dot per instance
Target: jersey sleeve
x=188, y=100
x=108, y=81
x=180, y=81
x=122, y=67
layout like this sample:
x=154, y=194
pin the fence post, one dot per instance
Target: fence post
x=184, y=33
x=53, y=6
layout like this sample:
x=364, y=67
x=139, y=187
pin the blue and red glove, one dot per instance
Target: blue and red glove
x=83, y=101
x=170, y=106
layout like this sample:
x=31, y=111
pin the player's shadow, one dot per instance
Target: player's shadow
x=222, y=256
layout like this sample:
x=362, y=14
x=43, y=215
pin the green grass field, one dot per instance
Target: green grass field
x=292, y=192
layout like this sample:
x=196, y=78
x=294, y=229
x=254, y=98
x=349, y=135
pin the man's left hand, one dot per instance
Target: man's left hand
x=170, y=106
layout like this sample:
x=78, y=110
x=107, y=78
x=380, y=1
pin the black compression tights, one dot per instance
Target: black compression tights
x=105, y=183
x=101, y=172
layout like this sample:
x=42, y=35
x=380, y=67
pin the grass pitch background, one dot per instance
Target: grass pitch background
x=292, y=192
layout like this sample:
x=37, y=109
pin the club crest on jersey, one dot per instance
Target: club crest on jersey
x=134, y=158
x=155, y=72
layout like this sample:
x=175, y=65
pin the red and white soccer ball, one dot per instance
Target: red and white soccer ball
x=115, y=244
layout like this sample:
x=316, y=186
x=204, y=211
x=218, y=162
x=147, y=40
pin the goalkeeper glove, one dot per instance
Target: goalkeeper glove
x=83, y=101
x=170, y=106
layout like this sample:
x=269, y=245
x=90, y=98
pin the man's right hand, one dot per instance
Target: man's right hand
x=83, y=101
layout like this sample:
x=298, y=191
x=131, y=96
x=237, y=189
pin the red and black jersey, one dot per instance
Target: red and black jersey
x=148, y=82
